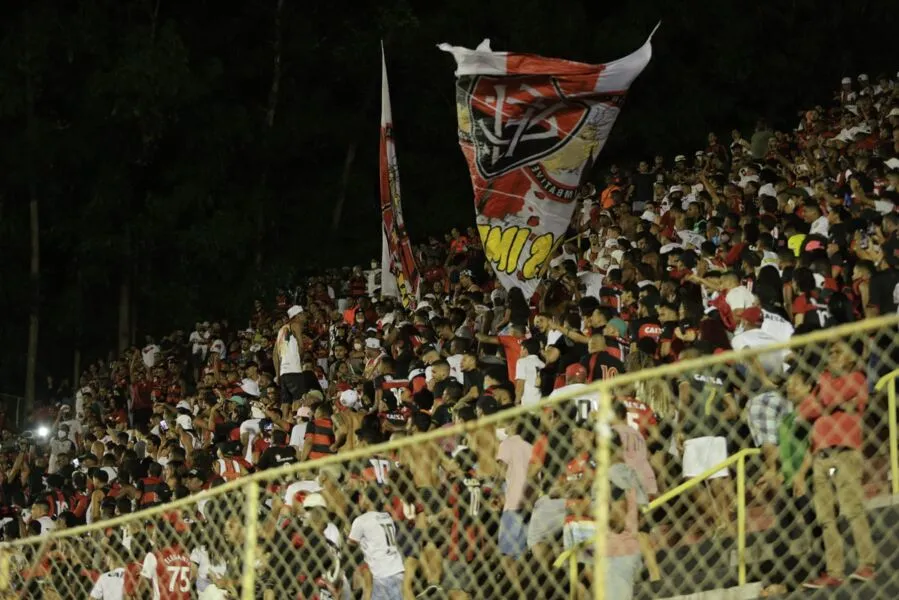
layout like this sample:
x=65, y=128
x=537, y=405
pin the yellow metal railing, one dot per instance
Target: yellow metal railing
x=739, y=458
x=890, y=378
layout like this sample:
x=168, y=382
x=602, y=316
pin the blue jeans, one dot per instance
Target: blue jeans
x=513, y=534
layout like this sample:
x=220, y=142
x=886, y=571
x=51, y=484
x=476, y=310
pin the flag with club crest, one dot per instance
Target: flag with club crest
x=529, y=128
x=399, y=275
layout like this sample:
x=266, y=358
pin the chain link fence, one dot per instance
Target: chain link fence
x=757, y=470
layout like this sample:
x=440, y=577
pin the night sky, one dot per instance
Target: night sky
x=161, y=160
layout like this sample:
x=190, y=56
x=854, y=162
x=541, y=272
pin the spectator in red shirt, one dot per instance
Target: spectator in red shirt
x=835, y=412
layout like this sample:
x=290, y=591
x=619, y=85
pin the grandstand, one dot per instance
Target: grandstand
x=699, y=403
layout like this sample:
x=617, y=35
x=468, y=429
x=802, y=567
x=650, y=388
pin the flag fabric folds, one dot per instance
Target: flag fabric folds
x=399, y=274
x=529, y=128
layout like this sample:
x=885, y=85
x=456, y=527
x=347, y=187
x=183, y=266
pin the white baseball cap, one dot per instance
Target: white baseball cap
x=349, y=398
x=184, y=422
x=680, y=158
x=845, y=80
x=372, y=343
x=314, y=500
x=294, y=311
x=304, y=412
x=183, y=404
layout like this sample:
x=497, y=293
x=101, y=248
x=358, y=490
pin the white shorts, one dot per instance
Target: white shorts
x=701, y=454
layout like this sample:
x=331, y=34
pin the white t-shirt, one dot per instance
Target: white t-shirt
x=200, y=557
x=148, y=571
x=110, y=586
x=455, y=363
x=332, y=534
x=585, y=404
x=740, y=298
x=593, y=283
x=309, y=486
x=820, y=226
x=200, y=343
x=218, y=346
x=149, y=354
x=213, y=592
x=289, y=352
x=772, y=362
x=375, y=533
x=47, y=524
x=298, y=435
x=776, y=326
x=526, y=369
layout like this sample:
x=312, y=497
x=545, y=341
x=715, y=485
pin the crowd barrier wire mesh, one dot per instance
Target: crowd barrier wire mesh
x=559, y=500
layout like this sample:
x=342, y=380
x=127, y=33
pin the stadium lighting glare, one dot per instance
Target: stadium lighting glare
x=43, y=431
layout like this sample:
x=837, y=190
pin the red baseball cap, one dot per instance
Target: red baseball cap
x=575, y=370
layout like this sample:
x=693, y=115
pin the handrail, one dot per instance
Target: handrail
x=694, y=481
x=739, y=458
x=894, y=430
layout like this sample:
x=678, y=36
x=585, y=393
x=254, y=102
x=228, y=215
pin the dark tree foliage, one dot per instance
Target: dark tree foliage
x=149, y=153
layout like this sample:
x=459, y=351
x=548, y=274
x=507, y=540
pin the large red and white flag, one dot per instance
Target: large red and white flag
x=529, y=128
x=399, y=275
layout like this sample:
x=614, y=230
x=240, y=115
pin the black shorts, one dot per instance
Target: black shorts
x=293, y=386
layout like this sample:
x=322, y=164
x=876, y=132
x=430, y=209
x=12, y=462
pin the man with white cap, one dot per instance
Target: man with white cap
x=373, y=354
x=322, y=542
x=847, y=96
x=298, y=432
x=347, y=419
x=287, y=356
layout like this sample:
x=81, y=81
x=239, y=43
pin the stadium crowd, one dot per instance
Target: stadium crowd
x=746, y=242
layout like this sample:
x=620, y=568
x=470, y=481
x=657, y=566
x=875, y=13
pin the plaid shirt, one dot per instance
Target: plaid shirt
x=765, y=413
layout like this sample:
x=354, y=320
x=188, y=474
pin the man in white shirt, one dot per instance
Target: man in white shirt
x=40, y=513
x=111, y=584
x=199, y=339
x=754, y=336
x=298, y=432
x=375, y=532
x=575, y=378
x=150, y=353
x=811, y=214
x=287, y=356
x=527, y=373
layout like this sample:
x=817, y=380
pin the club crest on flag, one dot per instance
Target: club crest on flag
x=518, y=121
x=529, y=128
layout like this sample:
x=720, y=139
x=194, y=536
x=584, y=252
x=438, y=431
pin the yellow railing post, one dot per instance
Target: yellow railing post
x=741, y=520
x=601, y=493
x=248, y=580
x=894, y=438
x=890, y=380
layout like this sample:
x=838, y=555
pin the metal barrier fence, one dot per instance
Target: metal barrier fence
x=620, y=489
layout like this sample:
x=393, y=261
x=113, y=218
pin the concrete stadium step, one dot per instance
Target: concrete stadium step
x=743, y=592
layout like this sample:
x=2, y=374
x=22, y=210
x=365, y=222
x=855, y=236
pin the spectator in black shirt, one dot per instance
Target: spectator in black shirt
x=599, y=363
x=472, y=377
x=278, y=454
